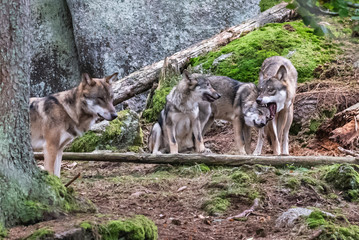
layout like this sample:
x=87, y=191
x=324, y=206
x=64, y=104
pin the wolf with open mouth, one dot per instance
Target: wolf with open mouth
x=277, y=85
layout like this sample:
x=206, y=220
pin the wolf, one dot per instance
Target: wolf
x=179, y=128
x=277, y=86
x=238, y=105
x=58, y=118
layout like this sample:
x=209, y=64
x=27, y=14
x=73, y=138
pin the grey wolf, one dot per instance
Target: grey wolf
x=238, y=105
x=179, y=128
x=277, y=85
x=56, y=119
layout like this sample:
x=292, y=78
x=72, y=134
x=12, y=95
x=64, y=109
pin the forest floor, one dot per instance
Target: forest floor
x=194, y=202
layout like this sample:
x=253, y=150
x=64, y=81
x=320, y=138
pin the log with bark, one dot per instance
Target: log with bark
x=343, y=128
x=142, y=80
x=211, y=160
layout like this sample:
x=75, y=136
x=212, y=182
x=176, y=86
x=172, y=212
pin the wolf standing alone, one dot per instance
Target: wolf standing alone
x=277, y=85
x=58, y=118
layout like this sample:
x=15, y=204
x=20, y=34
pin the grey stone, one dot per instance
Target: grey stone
x=54, y=63
x=123, y=36
x=221, y=58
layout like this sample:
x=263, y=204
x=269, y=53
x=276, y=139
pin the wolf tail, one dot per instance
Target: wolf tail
x=154, y=139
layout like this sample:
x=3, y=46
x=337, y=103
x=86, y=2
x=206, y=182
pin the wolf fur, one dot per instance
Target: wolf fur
x=238, y=105
x=179, y=128
x=277, y=85
x=57, y=119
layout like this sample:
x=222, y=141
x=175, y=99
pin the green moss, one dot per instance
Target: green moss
x=137, y=228
x=42, y=233
x=122, y=134
x=316, y=219
x=87, y=143
x=314, y=125
x=324, y=115
x=332, y=230
x=249, y=52
x=293, y=183
x=86, y=225
x=32, y=211
x=3, y=231
x=344, y=177
x=216, y=205
x=267, y=4
x=204, y=168
x=241, y=178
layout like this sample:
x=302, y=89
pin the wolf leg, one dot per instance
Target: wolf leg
x=51, y=150
x=285, y=148
x=238, y=136
x=171, y=132
x=247, y=137
x=154, y=141
x=57, y=166
x=197, y=133
x=260, y=141
x=273, y=134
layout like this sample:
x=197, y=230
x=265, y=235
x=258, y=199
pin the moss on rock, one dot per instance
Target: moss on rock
x=344, y=177
x=292, y=40
x=121, y=134
x=137, y=228
x=42, y=233
x=216, y=205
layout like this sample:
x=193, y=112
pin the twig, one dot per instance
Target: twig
x=245, y=213
x=349, y=152
x=73, y=179
x=316, y=234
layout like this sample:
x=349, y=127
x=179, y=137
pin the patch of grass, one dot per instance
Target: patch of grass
x=42, y=233
x=249, y=52
x=267, y=4
x=293, y=183
x=3, y=231
x=86, y=225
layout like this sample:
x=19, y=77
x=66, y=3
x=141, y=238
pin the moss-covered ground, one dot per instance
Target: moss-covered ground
x=195, y=201
x=293, y=40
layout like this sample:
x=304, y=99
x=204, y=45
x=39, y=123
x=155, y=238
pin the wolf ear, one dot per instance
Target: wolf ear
x=110, y=79
x=261, y=76
x=282, y=73
x=86, y=79
x=187, y=77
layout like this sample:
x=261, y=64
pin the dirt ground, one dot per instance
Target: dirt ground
x=173, y=196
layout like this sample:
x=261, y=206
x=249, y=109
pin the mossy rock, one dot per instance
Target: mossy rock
x=121, y=134
x=331, y=229
x=41, y=234
x=292, y=40
x=344, y=177
x=137, y=228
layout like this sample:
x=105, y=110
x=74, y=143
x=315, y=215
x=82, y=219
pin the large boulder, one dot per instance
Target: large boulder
x=54, y=63
x=123, y=36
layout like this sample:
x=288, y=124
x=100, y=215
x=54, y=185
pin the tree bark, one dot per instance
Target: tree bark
x=142, y=80
x=226, y=160
x=23, y=188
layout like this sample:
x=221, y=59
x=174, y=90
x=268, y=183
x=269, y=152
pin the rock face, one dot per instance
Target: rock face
x=125, y=35
x=54, y=64
x=103, y=37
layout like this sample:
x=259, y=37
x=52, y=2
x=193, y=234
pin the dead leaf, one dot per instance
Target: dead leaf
x=181, y=188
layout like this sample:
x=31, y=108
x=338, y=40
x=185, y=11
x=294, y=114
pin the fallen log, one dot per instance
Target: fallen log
x=210, y=160
x=142, y=80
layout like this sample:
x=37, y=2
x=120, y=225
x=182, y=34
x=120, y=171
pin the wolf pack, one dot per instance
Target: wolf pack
x=191, y=108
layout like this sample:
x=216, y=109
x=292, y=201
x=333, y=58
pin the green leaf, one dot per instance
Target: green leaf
x=292, y=6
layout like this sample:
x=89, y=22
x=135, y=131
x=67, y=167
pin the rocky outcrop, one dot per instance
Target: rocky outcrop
x=54, y=63
x=125, y=35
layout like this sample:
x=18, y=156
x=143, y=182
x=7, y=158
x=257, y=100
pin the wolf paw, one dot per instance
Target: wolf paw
x=157, y=153
x=206, y=151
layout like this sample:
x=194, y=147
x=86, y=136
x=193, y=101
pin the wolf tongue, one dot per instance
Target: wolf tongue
x=272, y=109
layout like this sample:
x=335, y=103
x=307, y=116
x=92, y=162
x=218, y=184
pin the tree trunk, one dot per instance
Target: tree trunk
x=213, y=159
x=142, y=80
x=24, y=190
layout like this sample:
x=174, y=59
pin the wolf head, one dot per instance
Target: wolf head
x=97, y=96
x=273, y=91
x=199, y=87
x=256, y=116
